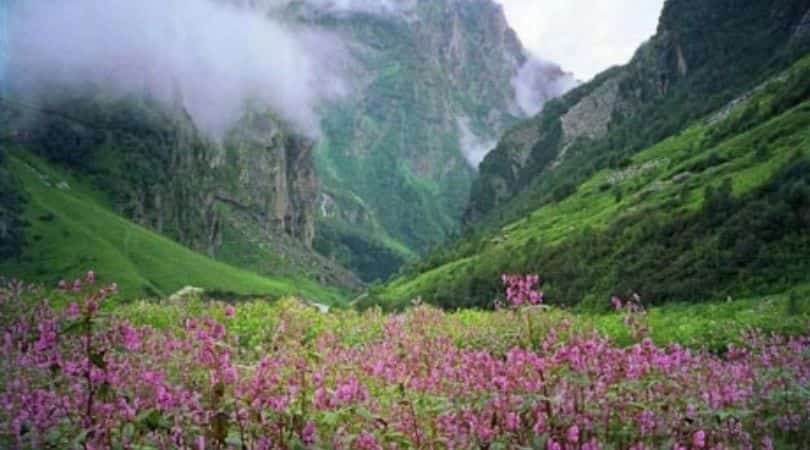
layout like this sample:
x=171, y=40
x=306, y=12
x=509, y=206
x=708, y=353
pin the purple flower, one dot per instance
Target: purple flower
x=573, y=434
x=73, y=310
x=308, y=433
x=520, y=290
x=699, y=439
x=131, y=338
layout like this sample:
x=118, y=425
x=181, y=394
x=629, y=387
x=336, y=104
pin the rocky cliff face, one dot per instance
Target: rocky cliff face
x=273, y=176
x=436, y=85
x=703, y=55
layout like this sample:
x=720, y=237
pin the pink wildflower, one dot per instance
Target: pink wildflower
x=132, y=341
x=573, y=434
x=366, y=441
x=308, y=433
x=73, y=310
x=699, y=439
x=520, y=290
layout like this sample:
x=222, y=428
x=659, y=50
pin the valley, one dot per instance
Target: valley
x=392, y=224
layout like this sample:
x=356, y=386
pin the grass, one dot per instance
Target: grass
x=716, y=323
x=71, y=231
x=713, y=324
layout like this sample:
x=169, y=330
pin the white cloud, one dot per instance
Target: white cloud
x=539, y=81
x=336, y=7
x=583, y=36
x=365, y=6
x=473, y=147
x=212, y=55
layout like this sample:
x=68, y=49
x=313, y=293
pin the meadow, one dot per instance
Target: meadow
x=83, y=369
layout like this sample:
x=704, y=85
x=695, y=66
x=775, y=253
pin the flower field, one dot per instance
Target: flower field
x=78, y=373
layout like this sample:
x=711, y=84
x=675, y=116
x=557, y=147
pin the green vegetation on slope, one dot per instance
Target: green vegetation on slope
x=719, y=209
x=704, y=55
x=11, y=206
x=70, y=230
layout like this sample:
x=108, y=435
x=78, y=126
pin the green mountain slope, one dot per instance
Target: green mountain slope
x=71, y=230
x=247, y=201
x=704, y=55
x=393, y=165
x=721, y=208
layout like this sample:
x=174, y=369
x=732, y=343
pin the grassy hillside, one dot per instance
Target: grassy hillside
x=703, y=56
x=71, y=230
x=719, y=209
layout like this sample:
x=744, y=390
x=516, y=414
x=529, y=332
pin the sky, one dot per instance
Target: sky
x=583, y=36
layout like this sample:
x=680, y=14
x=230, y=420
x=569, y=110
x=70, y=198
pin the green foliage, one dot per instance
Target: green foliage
x=370, y=257
x=12, y=204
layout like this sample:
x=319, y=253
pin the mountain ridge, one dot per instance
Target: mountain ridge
x=442, y=72
x=547, y=204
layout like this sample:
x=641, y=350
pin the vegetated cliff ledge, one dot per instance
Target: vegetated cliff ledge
x=248, y=200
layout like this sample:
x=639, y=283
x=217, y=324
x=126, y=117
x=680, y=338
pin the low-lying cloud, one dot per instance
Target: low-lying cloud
x=333, y=7
x=377, y=7
x=539, y=81
x=213, y=56
x=473, y=147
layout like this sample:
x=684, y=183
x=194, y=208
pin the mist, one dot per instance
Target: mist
x=377, y=7
x=473, y=147
x=539, y=81
x=212, y=57
x=332, y=7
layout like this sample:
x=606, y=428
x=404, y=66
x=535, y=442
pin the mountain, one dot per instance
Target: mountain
x=437, y=81
x=248, y=201
x=382, y=179
x=703, y=56
x=679, y=176
x=70, y=229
